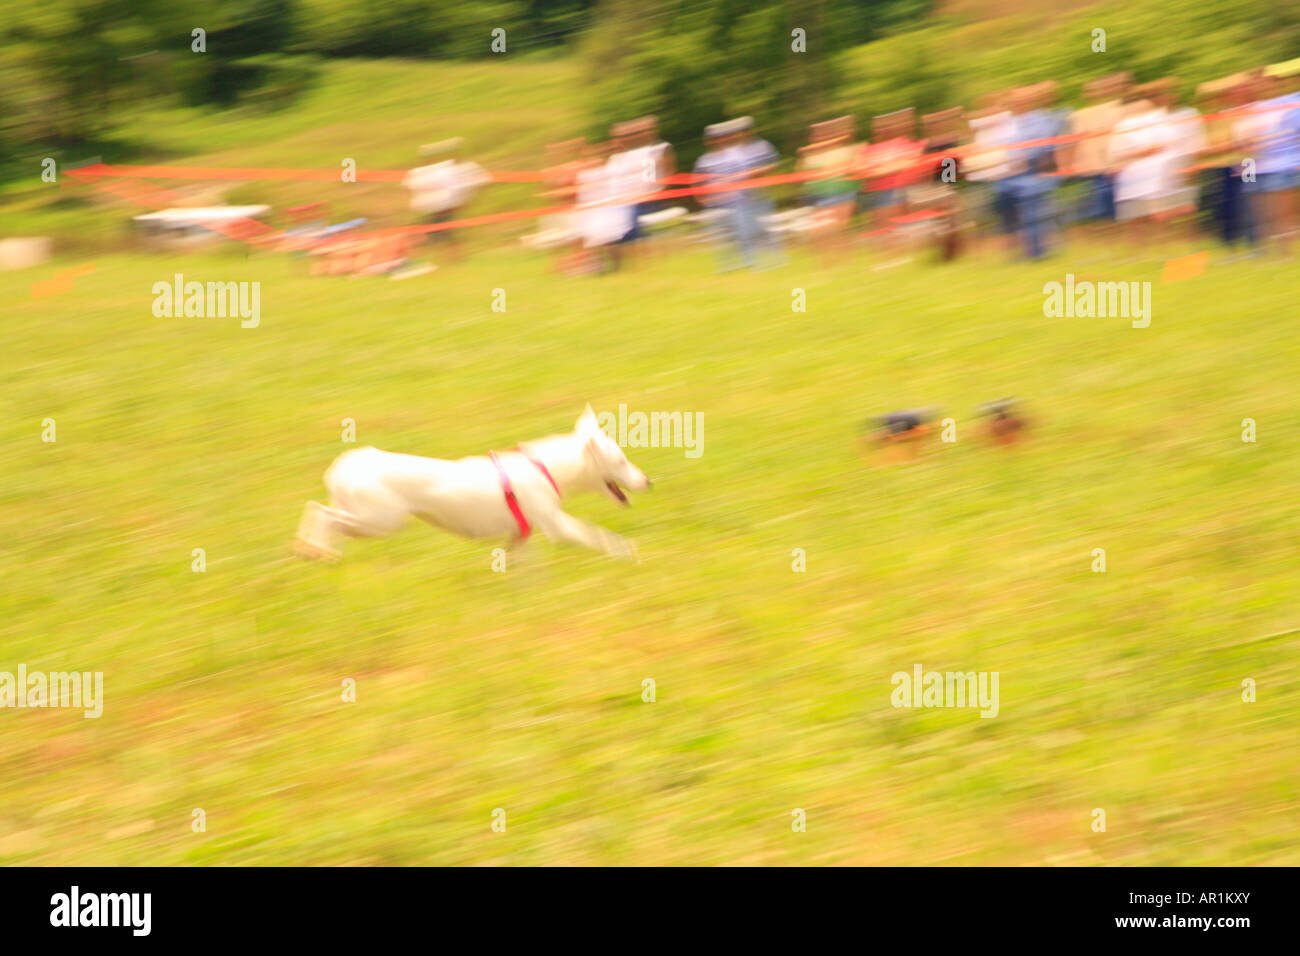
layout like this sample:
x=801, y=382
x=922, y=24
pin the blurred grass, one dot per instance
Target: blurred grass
x=376, y=112
x=522, y=690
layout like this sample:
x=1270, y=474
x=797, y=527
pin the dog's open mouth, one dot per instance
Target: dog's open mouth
x=616, y=491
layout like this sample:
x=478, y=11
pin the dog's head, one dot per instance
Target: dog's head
x=607, y=461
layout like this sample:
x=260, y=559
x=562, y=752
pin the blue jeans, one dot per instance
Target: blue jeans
x=1004, y=206
x=745, y=230
x=1098, y=200
x=1236, y=211
x=1032, y=201
x=1274, y=182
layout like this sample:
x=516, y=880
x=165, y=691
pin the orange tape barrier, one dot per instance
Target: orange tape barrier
x=151, y=196
x=743, y=184
x=244, y=173
x=250, y=173
x=257, y=233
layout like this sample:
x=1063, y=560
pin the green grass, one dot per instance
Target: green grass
x=478, y=690
x=374, y=112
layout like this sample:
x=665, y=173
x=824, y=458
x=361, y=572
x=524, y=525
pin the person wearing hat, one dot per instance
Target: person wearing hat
x=716, y=165
x=440, y=190
x=736, y=154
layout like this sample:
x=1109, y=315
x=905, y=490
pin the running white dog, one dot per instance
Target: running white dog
x=374, y=493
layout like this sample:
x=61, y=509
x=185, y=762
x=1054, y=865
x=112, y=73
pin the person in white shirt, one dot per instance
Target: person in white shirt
x=1185, y=142
x=986, y=163
x=599, y=222
x=640, y=162
x=1153, y=188
x=1140, y=146
x=630, y=175
x=439, y=191
x=657, y=162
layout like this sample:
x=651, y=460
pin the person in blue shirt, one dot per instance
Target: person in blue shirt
x=755, y=157
x=1277, y=160
x=716, y=166
x=1030, y=186
x=735, y=154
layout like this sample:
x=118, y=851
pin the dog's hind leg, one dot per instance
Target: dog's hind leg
x=560, y=526
x=315, y=533
x=359, y=526
x=320, y=524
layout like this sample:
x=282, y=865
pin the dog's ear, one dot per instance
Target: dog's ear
x=587, y=422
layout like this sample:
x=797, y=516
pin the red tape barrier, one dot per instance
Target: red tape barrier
x=247, y=173
x=250, y=230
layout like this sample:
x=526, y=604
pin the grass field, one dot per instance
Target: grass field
x=522, y=691
x=506, y=113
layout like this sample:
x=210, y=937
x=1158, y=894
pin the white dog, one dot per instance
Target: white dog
x=505, y=495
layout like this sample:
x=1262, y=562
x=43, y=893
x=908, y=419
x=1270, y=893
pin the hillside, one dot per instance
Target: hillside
x=378, y=112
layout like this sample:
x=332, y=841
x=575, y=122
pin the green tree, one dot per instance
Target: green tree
x=694, y=62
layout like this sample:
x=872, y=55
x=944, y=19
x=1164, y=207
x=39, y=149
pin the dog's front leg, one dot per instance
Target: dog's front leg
x=516, y=552
x=560, y=526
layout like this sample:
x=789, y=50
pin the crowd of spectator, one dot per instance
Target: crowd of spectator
x=1135, y=164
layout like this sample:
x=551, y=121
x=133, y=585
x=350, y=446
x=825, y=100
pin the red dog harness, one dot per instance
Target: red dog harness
x=512, y=502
